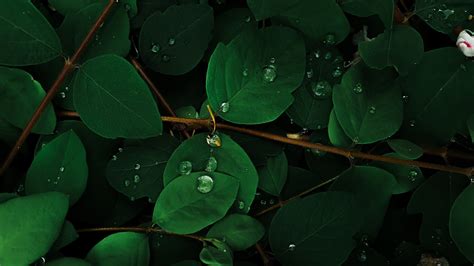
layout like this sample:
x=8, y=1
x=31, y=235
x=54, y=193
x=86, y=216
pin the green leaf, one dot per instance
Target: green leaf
x=29, y=226
x=67, y=236
x=272, y=175
x=434, y=199
x=7, y=196
x=148, y=7
x=238, y=231
x=168, y=249
x=216, y=256
x=372, y=188
x=360, y=8
x=179, y=45
x=20, y=95
x=263, y=9
x=59, y=166
x=460, y=221
x=231, y=22
x=27, y=37
x=125, y=248
x=405, y=148
x=317, y=19
x=440, y=96
x=66, y=6
x=400, y=46
x=368, y=104
x=299, y=180
x=322, y=238
x=250, y=80
x=444, y=15
x=470, y=126
x=113, y=101
x=181, y=208
x=336, y=134
x=231, y=160
x=68, y=262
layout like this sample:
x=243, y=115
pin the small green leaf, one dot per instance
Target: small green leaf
x=119, y=248
x=20, y=95
x=250, y=80
x=443, y=15
x=179, y=44
x=113, y=101
x=27, y=37
x=183, y=207
x=460, y=222
x=59, y=166
x=400, y=46
x=231, y=160
x=216, y=256
x=68, y=262
x=336, y=134
x=238, y=231
x=322, y=238
x=372, y=188
x=67, y=236
x=406, y=148
x=368, y=104
x=29, y=226
x=273, y=174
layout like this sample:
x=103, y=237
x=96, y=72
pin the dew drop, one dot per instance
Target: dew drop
x=114, y=158
x=317, y=54
x=171, y=41
x=248, y=19
x=241, y=205
x=185, y=167
x=362, y=256
x=205, y=184
x=155, y=48
x=245, y=72
x=20, y=188
x=355, y=140
x=269, y=73
x=214, y=141
x=309, y=74
x=271, y=202
x=132, y=198
x=165, y=58
x=372, y=110
x=358, y=88
x=136, y=179
x=263, y=202
x=225, y=107
x=291, y=247
x=66, y=88
x=211, y=164
x=62, y=95
x=405, y=98
x=328, y=56
x=412, y=175
x=337, y=73
x=272, y=60
x=120, y=149
x=126, y=183
x=49, y=180
x=97, y=37
x=412, y=123
x=321, y=90
x=61, y=169
x=330, y=39
x=137, y=166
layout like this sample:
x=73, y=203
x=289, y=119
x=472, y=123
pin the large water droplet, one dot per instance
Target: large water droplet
x=136, y=179
x=185, y=167
x=372, y=110
x=205, y=184
x=155, y=48
x=358, y=88
x=214, y=141
x=225, y=107
x=211, y=164
x=330, y=39
x=137, y=166
x=171, y=41
x=291, y=247
x=126, y=182
x=269, y=73
x=322, y=89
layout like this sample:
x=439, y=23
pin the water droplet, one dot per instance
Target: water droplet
x=97, y=37
x=412, y=175
x=269, y=73
x=328, y=56
x=412, y=123
x=20, y=188
x=272, y=60
x=338, y=59
x=136, y=178
x=137, y=166
x=185, y=167
x=337, y=73
x=271, y=202
x=165, y=58
x=330, y=39
x=447, y=13
x=126, y=182
x=120, y=149
x=61, y=169
x=362, y=256
x=132, y=198
x=66, y=88
x=49, y=180
x=355, y=140
x=317, y=54
x=405, y=98
x=155, y=48
x=372, y=110
x=318, y=153
x=205, y=184
x=245, y=72
x=309, y=74
x=114, y=157
x=358, y=88
x=214, y=141
x=62, y=94
x=291, y=247
x=225, y=107
x=241, y=205
x=248, y=19
x=211, y=164
x=322, y=89
x=263, y=202
x=171, y=41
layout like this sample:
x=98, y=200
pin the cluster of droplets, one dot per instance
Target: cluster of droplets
x=442, y=12
x=412, y=175
x=55, y=180
x=270, y=71
x=363, y=246
x=63, y=94
x=321, y=89
x=358, y=89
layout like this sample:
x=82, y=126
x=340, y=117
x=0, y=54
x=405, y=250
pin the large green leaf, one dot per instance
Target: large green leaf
x=272, y=175
x=59, y=166
x=372, y=188
x=20, y=95
x=434, y=199
x=113, y=101
x=460, y=222
x=179, y=44
x=316, y=230
x=231, y=160
x=400, y=46
x=444, y=15
x=125, y=248
x=184, y=208
x=238, y=231
x=263, y=9
x=29, y=226
x=27, y=37
x=439, y=96
x=250, y=80
x=368, y=104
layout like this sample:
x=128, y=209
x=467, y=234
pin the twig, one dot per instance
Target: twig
x=261, y=252
x=68, y=67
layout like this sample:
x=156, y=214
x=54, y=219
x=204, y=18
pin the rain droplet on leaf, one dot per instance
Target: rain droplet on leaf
x=412, y=175
x=61, y=169
x=185, y=167
x=205, y=184
x=372, y=110
x=62, y=94
x=241, y=205
x=211, y=165
x=165, y=58
x=171, y=41
x=291, y=247
x=330, y=39
x=321, y=90
x=225, y=107
x=137, y=166
x=269, y=73
x=412, y=123
x=245, y=72
x=126, y=182
x=136, y=178
x=155, y=48
x=214, y=141
x=358, y=88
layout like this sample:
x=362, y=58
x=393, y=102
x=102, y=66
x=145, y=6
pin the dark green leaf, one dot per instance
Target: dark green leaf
x=336, y=134
x=113, y=101
x=405, y=148
x=443, y=15
x=187, y=204
x=299, y=180
x=316, y=230
x=216, y=256
x=27, y=37
x=20, y=95
x=125, y=248
x=29, y=226
x=67, y=236
x=233, y=21
x=148, y=7
x=179, y=44
x=238, y=231
x=59, y=166
x=272, y=175
x=263, y=9
x=68, y=262
x=460, y=222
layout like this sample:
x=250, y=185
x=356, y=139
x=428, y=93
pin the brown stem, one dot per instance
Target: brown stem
x=155, y=90
x=145, y=230
x=68, y=67
x=261, y=252
x=446, y=153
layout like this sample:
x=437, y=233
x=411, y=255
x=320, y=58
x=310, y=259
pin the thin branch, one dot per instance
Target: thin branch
x=157, y=92
x=68, y=68
x=145, y=230
x=261, y=252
